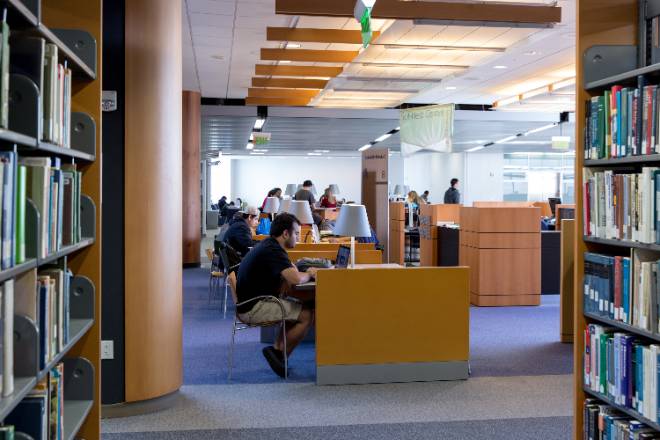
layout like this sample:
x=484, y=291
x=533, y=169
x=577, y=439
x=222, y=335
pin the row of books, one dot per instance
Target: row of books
x=41, y=414
x=604, y=422
x=622, y=204
x=623, y=122
x=622, y=288
x=621, y=367
x=33, y=57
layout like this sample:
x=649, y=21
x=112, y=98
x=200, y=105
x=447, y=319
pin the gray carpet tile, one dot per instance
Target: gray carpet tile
x=299, y=404
x=547, y=428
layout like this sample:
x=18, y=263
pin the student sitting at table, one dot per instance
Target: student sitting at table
x=267, y=270
x=328, y=199
x=239, y=234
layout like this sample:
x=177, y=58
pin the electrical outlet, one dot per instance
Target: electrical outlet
x=108, y=349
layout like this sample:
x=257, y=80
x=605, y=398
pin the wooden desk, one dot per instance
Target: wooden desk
x=327, y=213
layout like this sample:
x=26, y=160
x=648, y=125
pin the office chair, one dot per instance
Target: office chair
x=240, y=325
x=215, y=275
x=228, y=268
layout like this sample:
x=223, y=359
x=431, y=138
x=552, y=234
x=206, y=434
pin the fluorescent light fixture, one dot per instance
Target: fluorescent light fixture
x=256, y=154
x=532, y=93
x=249, y=146
x=472, y=150
x=260, y=151
x=506, y=101
x=292, y=46
x=284, y=61
x=506, y=139
x=450, y=88
x=500, y=67
x=563, y=83
x=259, y=123
x=321, y=151
x=364, y=147
x=314, y=154
x=383, y=137
x=398, y=129
x=543, y=128
x=251, y=137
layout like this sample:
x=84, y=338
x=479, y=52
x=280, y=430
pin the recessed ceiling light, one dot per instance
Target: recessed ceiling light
x=499, y=67
x=218, y=57
x=450, y=88
x=531, y=53
x=313, y=154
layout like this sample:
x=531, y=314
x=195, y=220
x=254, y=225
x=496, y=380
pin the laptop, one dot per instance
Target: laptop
x=343, y=255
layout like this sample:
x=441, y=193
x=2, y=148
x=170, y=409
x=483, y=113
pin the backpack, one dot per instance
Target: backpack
x=264, y=226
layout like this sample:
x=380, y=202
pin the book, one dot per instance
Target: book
x=31, y=417
x=8, y=338
x=20, y=216
x=50, y=93
x=4, y=76
x=8, y=158
x=38, y=190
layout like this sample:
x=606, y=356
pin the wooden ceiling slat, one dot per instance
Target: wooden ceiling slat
x=282, y=93
x=289, y=83
x=317, y=56
x=277, y=101
x=396, y=9
x=312, y=35
x=282, y=70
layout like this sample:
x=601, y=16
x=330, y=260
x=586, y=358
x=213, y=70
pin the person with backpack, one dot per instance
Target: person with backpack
x=239, y=234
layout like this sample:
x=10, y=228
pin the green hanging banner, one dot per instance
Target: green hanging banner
x=365, y=21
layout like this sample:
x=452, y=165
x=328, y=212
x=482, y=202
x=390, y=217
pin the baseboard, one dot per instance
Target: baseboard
x=128, y=409
x=391, y=373
x=504, y=300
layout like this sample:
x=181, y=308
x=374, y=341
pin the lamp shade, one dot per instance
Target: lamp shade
x=353, y=221
x=398, y=190
x=272, y=205
x=334, y=188
x=284, y=206
x=298, y=187
x=313, y=190
x=406, y=189
x=301, y=209
x=290, y=189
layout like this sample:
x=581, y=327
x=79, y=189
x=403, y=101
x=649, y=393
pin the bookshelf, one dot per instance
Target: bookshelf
x=74, y=26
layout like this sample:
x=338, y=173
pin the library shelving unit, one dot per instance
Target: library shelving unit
x=609, y=37
x=74, y=26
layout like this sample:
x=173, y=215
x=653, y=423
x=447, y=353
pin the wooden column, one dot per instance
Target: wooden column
x=153, y=187
x=191, y=187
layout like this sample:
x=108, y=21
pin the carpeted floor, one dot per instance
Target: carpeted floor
x=504, y=341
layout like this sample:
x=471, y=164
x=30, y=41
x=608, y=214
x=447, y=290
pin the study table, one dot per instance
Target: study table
x=383, y=323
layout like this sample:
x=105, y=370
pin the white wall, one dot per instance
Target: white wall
x=253, y=177
x=220, y=180
x=432, y=172
x=483, y=179
x=395, y=167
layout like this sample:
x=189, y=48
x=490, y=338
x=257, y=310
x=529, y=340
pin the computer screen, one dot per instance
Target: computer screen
x=554, y=201
x=343, y=254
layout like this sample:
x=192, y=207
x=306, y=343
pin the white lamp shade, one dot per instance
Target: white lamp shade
x=301, y=209
x=299, y=187
x=272, y=205
x=313, y=190
x=335, y=189
x=353, y=221
x=398, y=190
x=406, y=190
x=290, y=189
x=284, y=206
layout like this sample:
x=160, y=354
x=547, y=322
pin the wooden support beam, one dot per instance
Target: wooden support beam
x=314, y=56
x=277, y=101
x=427, y=10
x=289, y=83
x=282, y=93
x=287, y=70
x=312, y=35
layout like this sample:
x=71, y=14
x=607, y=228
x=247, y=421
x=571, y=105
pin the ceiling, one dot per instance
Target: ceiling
x=223, y=39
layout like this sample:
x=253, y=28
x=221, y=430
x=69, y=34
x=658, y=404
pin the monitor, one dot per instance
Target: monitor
x=554, y=201
x=343, y=254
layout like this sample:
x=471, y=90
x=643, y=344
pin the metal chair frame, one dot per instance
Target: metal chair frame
x=215, y=274
x=240, y=325
x=228, y=270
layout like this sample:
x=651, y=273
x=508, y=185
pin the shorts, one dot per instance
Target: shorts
x=268, y=310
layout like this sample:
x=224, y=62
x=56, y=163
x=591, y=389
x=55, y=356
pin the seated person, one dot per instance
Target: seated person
x=239, y=234
x=328, y=199
x=267, y=270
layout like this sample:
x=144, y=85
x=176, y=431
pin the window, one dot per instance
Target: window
x=537, y=176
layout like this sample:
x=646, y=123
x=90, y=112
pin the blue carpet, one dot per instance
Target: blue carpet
x=547, y=428
x=504, y=341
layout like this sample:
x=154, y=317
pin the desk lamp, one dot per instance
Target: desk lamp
x=398, y=190
x=290, y=189
x=284, y=206
x=302, y=211
x=272, y=205
x=353, y=222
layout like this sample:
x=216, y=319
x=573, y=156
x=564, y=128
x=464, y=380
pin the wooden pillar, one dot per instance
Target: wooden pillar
x=191, y=184
x=153, y=203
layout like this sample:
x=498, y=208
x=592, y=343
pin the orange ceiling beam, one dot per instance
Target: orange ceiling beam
x=287, y=70
x=427, y=10
x=289, y=83
x=282, y=93
x=314, y=56
x=277, y=101
x=311, y=35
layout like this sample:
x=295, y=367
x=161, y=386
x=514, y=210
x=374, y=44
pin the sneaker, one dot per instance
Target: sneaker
x=273, y=358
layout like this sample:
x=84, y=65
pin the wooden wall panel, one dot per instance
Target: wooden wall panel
x=191, y=126
x=153, y=198
x=86, y=97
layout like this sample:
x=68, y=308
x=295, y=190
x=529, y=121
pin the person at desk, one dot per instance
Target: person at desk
x=452, y=195
x=239, y=234
x=305, y=193
x=328, y=199
x=275, y=192
x=267, y=270
x=414, y=200
x=425, y=196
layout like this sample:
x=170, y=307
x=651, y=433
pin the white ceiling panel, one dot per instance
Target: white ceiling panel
x=217, y=7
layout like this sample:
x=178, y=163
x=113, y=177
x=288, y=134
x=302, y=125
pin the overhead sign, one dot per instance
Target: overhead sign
x=260, y=138
x=362, y=13
x=426, y=128
x=561, y=142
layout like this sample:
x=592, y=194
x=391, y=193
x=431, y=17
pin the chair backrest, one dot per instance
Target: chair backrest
x=231, y=279
x=209, y=254
x=230, y=264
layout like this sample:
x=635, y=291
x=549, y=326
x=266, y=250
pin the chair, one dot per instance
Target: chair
x=229, y=268
x=215, y=275
x=240, y=325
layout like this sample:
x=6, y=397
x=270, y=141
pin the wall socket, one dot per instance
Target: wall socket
x=108, y=349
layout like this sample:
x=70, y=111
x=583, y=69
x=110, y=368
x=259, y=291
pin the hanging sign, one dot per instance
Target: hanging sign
x=426, y=128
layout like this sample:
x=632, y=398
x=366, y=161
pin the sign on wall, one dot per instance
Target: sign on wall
x=426, y=128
